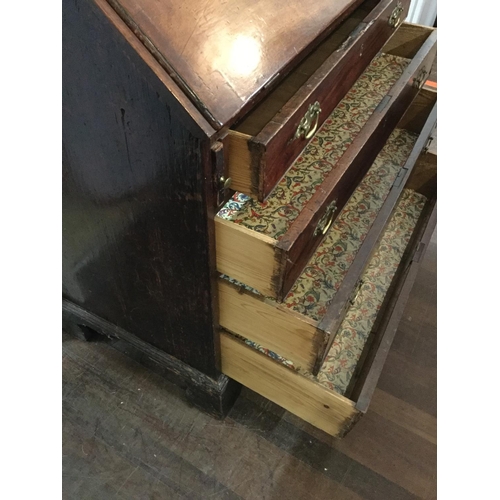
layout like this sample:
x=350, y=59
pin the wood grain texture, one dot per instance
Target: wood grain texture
x=266, y=110
x=308, y=400
x=247, y=256
x=239, y=161
x=293, y=336
x=299, y=242
x=137, y=193
x=151, y=443
x=416, y=116
x=281, y=330
x=224, y=54
x=326, y=75
x=408, y=41
x=393, y=307
x=424, y=179
x=154, y=66
x=405, y=415
x=261, y=373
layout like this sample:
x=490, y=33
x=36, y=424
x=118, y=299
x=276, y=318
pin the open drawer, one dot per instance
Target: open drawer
x=266, y=142
x=340, y=393
x=266, y=245
x=303, y=327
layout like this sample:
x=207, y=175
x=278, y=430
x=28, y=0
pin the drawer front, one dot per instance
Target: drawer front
x=257, y=163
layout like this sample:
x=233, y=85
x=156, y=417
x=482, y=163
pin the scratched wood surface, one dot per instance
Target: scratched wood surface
x=224, y=53
x=129, y=434
x=135, y=193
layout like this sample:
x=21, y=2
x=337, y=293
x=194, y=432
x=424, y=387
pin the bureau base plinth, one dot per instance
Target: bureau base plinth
x=214, y=396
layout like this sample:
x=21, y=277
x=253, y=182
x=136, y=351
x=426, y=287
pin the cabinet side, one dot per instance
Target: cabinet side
x=138, y=247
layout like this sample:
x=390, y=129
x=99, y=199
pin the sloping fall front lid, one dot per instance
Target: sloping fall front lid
x=224, y=52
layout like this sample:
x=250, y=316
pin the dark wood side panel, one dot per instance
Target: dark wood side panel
x=327, y=86
x=136, y=228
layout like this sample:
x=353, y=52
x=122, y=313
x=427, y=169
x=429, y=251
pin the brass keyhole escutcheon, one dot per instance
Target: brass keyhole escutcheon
x=326, y=221
x=419, y=80
x=305, y=126
x=396, y=17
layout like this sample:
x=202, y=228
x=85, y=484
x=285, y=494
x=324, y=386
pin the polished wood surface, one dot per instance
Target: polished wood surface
x=272, y=149
x=136, y=193
x=129, y=434
x=272, y=266
x=225, y=53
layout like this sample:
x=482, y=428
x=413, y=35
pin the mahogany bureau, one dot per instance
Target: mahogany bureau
x=248, y=190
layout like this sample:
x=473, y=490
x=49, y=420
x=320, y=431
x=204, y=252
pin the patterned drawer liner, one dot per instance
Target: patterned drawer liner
x=340, y=364
x=323, y=274
x=275, y=216
x=338, y=369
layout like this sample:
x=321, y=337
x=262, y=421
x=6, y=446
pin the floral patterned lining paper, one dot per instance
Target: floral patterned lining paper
x=323, y=275
x=317, y=285
x=340, y=364
x=296, y=188
x=321, y=278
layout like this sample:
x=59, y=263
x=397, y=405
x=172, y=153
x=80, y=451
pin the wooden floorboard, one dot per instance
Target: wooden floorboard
x=129, y=434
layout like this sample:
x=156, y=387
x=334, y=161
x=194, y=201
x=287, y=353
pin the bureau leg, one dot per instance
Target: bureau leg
x=214, y=396
x=81, y=332
x=217, y=400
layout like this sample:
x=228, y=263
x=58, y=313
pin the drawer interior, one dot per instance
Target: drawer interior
x=262, y=146
x=263, y=113
x=268, y=222
x=334, y=399
x=296, y=329
x=274, y=216
x=243, y=218
x=404, y=44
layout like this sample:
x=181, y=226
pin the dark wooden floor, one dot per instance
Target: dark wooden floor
x=129, y=434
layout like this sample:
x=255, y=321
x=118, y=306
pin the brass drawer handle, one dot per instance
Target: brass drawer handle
x=396, y=17
x=307, y=120
x=420, y=79
x=326, y=221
